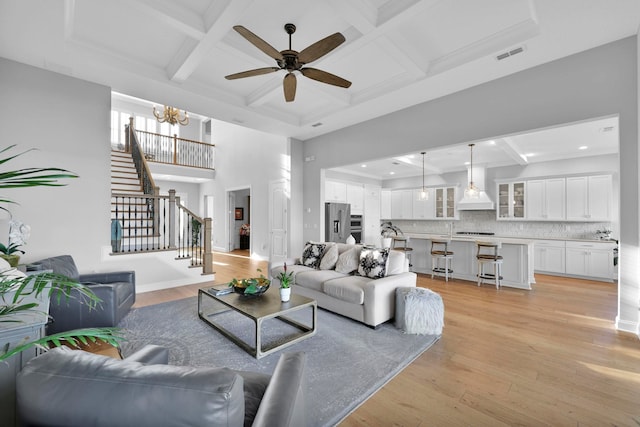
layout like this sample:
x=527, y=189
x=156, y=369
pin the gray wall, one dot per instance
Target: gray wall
x=67, y=121
x=595, y=83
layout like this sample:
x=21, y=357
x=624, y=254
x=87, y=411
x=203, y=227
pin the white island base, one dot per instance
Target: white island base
x=517, y=254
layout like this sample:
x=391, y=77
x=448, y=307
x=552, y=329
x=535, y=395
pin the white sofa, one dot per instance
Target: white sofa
x=340, y=283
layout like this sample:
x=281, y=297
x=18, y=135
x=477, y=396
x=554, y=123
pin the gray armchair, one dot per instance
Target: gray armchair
x=65, y=387
x=117, y=290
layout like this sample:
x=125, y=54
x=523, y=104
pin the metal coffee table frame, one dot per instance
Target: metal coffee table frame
x=259, y=309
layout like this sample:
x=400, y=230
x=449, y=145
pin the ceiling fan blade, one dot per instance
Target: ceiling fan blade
x=258, y=42
x=289, y=86
x=324, y=77
x=320, y=48
x=251, y=73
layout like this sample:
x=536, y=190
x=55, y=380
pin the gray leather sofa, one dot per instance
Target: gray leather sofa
x=66, y=387
x=117, y=290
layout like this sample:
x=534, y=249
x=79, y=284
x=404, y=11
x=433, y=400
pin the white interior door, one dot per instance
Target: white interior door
x=231, y=222
x=278, y=220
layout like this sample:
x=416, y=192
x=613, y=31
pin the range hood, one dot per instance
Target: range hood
x=482, y=202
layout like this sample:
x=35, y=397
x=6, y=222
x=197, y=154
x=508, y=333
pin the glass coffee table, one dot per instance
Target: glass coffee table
x=258, y=309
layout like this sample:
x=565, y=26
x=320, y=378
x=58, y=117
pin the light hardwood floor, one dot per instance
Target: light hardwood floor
x=550, y=356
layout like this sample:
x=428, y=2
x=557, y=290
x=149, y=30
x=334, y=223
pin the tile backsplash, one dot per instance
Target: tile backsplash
x=485, y=221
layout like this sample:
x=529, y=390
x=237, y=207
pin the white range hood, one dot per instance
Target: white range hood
x=482, y=202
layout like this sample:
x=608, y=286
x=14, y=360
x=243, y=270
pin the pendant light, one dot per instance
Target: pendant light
x=424, y=194
x=471, y=192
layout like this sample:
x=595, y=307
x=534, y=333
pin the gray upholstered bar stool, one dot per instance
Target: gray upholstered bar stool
x=487, y=254
x=403, y=241
x=440, y=254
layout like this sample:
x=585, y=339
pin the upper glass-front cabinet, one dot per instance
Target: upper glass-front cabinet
x=511, y=197
x=446, y=203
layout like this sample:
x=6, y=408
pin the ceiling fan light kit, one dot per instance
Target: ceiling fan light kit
x=291, y=60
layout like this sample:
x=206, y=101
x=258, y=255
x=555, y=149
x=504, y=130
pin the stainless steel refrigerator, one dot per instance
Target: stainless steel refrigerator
x=337, y=222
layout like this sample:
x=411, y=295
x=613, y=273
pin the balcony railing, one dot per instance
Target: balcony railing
x=176, y=151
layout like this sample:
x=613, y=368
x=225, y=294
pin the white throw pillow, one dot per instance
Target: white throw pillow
x=330, y=257
x=348, y=261
x=373, y=262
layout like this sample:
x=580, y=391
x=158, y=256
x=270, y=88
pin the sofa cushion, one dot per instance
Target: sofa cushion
x=312, y=254
x=144, y=395
x=373, y=262
x=396, y=263
x=316, y=278
x=255, y=384
x=349, y=289
x=330, y=257
x=348, y=261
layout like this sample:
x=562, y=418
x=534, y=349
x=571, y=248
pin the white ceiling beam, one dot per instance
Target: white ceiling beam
x=509, y=37
x=359, y=13
x=221, y=20
x=172, y=15
x=69, y=18
x=511, y=149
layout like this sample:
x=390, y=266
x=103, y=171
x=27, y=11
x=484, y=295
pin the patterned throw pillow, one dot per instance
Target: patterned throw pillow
x=373, y=262
x=312, y=254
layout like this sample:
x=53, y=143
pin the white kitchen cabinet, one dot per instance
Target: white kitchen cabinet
x=589, y=198
x=371, y=215
x=590, y=259
x=335, y=191
x=511, y=201
x=424, y=209
x=355, y=197
x=445, y=203
x=402, y=204
x=385, y=204
x=549, y=256
x=545, y=200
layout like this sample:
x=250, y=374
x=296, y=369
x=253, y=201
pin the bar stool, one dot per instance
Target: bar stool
x=440, y=252
x=404, y=248
x=487, y=253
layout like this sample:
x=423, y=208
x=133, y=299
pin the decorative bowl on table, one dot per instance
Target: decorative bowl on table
x=255, y=286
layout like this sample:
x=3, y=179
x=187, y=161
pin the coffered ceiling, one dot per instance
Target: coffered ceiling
x=397, y=52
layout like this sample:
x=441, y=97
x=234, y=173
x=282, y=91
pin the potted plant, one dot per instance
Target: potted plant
x=10, y=253
x=285, y=284
x=19, y=294
x=388, y=231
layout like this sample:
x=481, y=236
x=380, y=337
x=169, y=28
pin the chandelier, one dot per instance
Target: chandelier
x=471, y=191
x=171, y=115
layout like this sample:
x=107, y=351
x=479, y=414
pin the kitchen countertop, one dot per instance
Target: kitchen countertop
x=503, y=239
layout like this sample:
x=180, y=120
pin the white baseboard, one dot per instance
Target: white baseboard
x=627, y=326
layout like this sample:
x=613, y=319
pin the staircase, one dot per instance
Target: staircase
x=128, y=203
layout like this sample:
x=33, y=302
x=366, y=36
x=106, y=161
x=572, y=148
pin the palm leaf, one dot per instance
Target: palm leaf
x=71, y=338
x=29, y=177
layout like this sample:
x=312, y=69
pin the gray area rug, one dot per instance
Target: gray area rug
x=346, y=361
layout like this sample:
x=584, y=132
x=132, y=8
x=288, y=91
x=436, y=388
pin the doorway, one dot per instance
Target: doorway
x=239, y=220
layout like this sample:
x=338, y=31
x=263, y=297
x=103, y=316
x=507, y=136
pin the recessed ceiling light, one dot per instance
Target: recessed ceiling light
x=392, y=173
x=411, y=156
x=363, y=166
x=492, y=142
x=583, y=147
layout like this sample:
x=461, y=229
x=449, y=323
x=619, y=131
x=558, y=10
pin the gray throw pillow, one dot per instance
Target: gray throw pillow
x=330, y=257
x=348, y=261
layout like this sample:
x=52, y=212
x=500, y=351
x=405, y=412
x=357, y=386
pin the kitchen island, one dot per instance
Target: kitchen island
x=517, y=268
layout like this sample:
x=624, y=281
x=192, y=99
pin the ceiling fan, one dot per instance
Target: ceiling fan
x=291, y=60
